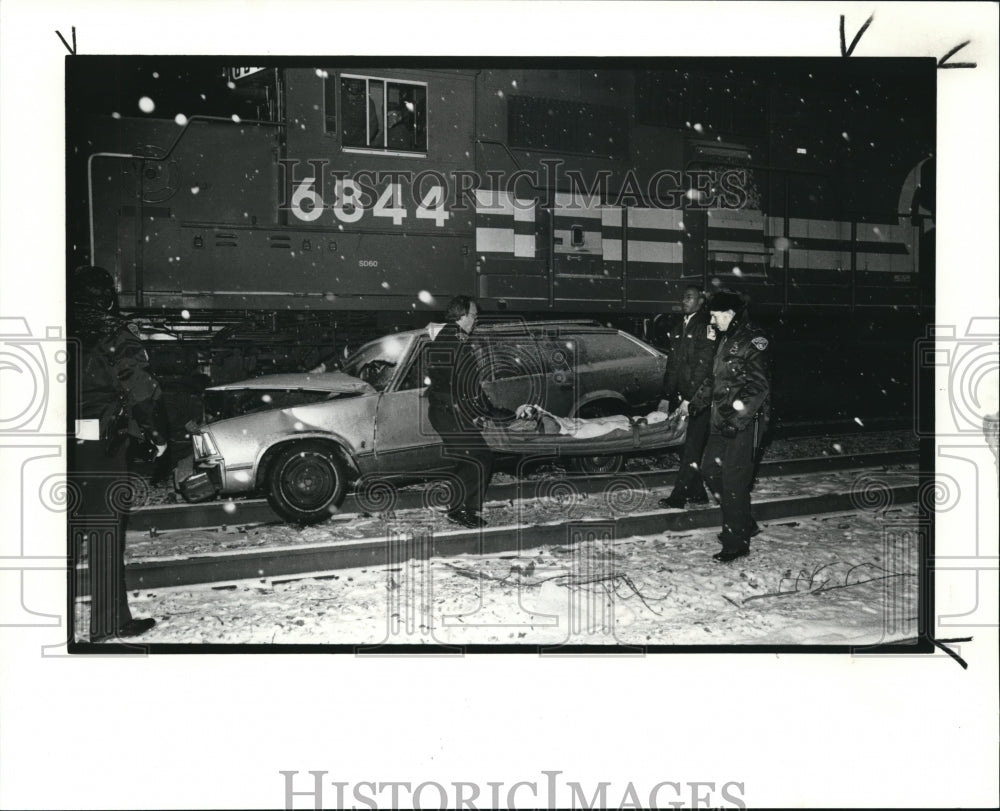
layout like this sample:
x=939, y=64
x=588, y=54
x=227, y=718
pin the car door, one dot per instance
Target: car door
x=538, y=369
x=405, y=441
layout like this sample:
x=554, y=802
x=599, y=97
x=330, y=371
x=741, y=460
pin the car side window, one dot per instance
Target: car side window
x=601, y=348
x=516, y=358
x=411, y=378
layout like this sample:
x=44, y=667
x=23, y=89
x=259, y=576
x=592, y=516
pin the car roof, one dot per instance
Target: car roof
x=512, y=326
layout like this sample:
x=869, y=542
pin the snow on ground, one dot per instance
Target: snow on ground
x=843, y=579
x=838, y=579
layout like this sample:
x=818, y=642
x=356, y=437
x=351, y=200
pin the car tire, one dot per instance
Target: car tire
x=597, y=465
x=306, y=482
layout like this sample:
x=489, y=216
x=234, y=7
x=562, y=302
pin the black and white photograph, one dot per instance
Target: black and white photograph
x=579, y=352
x=499, y=371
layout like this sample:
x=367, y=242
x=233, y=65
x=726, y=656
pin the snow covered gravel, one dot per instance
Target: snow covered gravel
x=837, y=579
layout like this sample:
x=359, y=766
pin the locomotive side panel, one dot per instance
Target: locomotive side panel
x=573, y=189
x=569, y=169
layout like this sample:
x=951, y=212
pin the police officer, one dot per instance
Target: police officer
x=116, y=390
x=458, y=407
x=740, y=409
x=689, y=366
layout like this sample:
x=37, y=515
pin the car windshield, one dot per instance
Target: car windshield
x=376, y=363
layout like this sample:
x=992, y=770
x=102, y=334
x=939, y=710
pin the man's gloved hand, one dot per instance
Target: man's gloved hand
x=161, y=449
x=728, y=431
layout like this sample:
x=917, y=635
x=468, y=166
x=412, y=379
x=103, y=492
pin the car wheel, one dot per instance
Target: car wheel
x=597, y=465
x=306, y=483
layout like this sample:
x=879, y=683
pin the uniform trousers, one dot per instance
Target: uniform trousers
x=100, y=497
x=689, y=477
x=728, y=468
x=464, y=447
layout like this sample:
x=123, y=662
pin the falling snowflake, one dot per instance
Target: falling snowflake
x=229, y=507
x=180, y=119
x=838, y=447
x=858, y=421
x=737, y=271
x=185, y=314
x=738, y=405
x=236, y=118
x=146, y=104
x=698, y=128
x=385, y=285
x=425, y=297
x=116, y=116
x=195, y=189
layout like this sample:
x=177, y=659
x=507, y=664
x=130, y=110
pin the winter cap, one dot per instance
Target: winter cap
x=723, y=301
x=92, y=285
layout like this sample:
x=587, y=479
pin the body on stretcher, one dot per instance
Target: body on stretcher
x=536, y=430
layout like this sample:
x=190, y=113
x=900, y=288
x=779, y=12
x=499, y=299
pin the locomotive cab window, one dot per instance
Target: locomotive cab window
x=379, y=114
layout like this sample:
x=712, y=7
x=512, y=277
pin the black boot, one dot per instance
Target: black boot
x=726, y=555
x=466, y=518
x=674, y=502
x=134, y=627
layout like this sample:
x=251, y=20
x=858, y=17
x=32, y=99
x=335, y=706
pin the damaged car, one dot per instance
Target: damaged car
x=304, y=438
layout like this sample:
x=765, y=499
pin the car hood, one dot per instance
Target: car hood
x=333, y=382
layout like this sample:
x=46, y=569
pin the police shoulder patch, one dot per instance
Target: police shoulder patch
x=133, y=329
x=760, y=343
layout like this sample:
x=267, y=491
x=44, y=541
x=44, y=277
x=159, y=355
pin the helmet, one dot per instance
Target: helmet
x=91, y=285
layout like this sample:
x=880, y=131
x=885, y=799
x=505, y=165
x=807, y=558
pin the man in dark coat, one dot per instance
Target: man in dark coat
x=689, y=365
x=740, y=409
x=115, y=390
x=458, y=407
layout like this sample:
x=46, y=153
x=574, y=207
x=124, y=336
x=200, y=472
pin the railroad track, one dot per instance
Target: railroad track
x=257, y=511
x=403, y=540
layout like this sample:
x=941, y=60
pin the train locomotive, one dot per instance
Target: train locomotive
x=350, y=195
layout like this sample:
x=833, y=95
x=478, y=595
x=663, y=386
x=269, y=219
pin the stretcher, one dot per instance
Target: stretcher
x=541, y=433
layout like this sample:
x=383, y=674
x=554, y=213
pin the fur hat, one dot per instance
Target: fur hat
x=723, y=301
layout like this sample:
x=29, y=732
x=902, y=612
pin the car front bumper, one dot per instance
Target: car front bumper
x=195, y=484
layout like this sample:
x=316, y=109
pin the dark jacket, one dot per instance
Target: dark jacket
x=115, y=381
x=689, y=362
x=741, y=378
x=455, y=372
